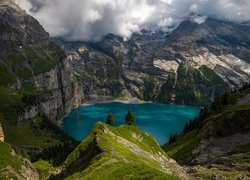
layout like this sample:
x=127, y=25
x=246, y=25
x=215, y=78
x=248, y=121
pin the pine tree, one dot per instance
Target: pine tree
x=130, y=119
x=110, y=119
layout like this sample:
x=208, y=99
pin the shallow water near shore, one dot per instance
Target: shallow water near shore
x=159, y=120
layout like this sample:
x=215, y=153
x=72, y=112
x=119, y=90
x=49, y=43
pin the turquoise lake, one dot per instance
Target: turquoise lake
x=159, y=120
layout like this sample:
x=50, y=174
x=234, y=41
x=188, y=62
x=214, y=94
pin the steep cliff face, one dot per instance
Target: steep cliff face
x=35, y=78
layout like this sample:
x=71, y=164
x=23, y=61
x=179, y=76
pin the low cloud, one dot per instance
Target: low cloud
x=90, y=20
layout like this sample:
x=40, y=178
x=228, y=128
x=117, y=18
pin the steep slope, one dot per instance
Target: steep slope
x=13, y=166
x=218, y=140
x=111, y=153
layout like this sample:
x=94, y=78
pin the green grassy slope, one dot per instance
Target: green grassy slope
x=112, y=153
x=45, y=169
x=12, y=166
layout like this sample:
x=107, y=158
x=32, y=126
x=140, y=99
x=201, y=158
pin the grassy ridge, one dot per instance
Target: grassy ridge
x=7, y=158
x=106, y=154
x=10, y=163
x=44, y=168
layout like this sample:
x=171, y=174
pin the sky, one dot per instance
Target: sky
x=90, y=20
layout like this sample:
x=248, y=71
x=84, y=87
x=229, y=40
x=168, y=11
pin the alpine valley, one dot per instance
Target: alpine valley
x=43, y=79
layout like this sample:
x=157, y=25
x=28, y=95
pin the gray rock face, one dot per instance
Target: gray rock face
x=29, y=31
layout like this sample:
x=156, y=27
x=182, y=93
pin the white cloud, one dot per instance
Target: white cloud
x=92, y=19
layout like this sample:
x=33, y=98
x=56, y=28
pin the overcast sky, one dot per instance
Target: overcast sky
x=90, y=20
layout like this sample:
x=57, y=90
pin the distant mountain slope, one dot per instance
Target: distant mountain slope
x=207, y=59
x=219, y=140
x=124, y=152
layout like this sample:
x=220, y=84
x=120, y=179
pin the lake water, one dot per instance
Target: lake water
x=159, y=120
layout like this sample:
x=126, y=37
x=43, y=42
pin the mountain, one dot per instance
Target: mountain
x=217, y=144
x=208, y=59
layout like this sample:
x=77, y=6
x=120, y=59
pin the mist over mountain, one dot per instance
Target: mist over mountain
x=90, y=20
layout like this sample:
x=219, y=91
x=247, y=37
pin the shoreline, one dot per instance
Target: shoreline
x=125, y=101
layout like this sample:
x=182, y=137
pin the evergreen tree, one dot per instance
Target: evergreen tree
x=130, y=119
x=110, y=119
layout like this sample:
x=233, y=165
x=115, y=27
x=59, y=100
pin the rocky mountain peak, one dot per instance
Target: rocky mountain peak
x=19, y=27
